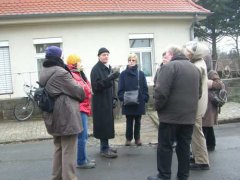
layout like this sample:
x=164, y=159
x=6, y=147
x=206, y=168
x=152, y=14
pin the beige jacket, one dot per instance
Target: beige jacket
x=197, y=59
x=202, y=102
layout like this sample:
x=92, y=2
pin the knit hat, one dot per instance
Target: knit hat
x=102, y=50
x=53, y=51
x=73, y=59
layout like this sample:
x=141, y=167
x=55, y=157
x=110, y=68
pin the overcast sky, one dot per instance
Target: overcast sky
x=226, y=44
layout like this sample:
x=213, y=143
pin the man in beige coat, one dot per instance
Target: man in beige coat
x=195, y=52
x=64, y=122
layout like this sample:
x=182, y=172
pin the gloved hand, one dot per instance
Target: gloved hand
x=113, y=75
x=115, y=101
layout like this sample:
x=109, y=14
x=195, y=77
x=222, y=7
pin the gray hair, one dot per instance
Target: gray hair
x=174, y=50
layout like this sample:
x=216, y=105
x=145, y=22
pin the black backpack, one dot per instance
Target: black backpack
x=219, y=98
x=43, y=99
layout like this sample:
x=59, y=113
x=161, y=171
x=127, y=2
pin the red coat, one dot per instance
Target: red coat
x=85, y=106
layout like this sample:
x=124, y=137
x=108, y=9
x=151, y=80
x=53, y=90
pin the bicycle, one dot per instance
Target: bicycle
x=25, y=108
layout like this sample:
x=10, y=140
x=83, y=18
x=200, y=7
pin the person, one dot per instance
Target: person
x=164, y=61
x=211, y=115
x=63, y=123
x=176, y=82
x=103, y=100
x=75, y=65
x=195, y=51
x=132, y=79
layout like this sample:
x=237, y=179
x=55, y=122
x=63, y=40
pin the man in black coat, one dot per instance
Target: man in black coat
x=176, y=99
x=102, y=80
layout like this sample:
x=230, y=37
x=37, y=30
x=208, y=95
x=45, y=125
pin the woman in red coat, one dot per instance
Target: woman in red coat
x=74, y=64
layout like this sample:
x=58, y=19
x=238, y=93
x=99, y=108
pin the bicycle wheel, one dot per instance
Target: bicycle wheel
x=24, y=109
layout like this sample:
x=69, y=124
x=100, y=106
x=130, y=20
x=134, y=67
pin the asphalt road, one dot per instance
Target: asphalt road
x=32, y=160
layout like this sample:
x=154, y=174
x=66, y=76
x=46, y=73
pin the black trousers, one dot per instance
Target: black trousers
x=210, y=136
x=183, y=136
x=129, y=127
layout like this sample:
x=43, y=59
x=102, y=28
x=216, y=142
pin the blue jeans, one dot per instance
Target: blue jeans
x=82, y=141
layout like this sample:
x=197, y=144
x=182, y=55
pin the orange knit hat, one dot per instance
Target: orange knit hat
x=73, y=59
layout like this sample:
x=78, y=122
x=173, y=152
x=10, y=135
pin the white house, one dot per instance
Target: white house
x=145, y=27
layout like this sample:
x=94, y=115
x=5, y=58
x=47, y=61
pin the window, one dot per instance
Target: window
x=5, y=69
x=41, y=45
x=142, y=45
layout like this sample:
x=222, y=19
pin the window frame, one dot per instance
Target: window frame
x=8, y=80
x=141, y=50
x=42, y=41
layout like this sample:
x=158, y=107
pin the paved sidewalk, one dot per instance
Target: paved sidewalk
x=13, y=131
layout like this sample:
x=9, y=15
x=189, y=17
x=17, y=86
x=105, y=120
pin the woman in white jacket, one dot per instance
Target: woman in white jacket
x=195, y=52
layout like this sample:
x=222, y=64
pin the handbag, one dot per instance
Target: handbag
x=130, y=98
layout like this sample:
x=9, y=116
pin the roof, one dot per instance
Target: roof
x=56, y=7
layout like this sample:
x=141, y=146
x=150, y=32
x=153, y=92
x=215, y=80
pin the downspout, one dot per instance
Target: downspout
x=195, y=20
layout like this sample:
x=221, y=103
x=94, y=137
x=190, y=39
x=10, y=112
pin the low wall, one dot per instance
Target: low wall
x=7, y=106
x=233, y=89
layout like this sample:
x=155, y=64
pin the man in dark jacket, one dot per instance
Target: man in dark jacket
x=176, y=98
x=102, y=80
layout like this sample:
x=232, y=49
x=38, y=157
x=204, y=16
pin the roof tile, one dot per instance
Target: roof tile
x=28, y=7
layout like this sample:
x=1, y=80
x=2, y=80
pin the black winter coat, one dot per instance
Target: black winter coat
x=102, y=102
x=128, y=81
x=177, y=92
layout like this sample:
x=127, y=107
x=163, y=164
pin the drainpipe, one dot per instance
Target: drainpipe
x=195, y=21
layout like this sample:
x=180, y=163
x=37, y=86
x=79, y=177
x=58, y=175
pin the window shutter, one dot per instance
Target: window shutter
x=5, y=72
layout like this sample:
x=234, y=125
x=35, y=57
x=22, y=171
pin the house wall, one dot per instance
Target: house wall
x=85, y=38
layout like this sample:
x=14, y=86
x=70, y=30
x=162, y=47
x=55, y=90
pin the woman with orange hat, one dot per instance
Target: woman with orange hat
x=74, y=64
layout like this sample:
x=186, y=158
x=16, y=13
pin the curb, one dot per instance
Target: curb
x=26, y=140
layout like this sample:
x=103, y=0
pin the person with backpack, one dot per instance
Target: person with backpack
x=210, y=118
x=63, y=122
x=75, y=65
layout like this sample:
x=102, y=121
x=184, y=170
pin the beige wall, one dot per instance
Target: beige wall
x=85, y=38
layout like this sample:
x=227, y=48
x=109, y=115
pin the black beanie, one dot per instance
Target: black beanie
x=102, y=50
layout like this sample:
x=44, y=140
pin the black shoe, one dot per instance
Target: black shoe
x=199, y=166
